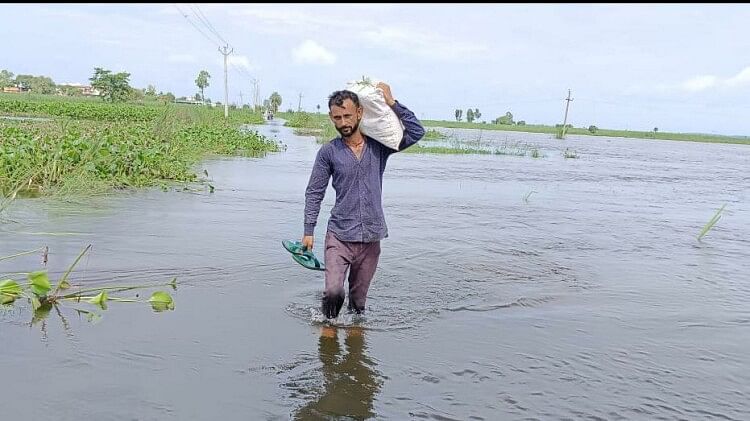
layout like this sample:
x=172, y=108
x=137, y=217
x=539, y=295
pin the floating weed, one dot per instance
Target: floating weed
x=570, y=154
x=43, y=296
x=711, y=222
x=527, y=195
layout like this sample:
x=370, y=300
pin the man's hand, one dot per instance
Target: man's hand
x=386, y=93
x=307, y=242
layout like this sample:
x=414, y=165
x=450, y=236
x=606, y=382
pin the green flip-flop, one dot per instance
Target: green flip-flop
x=302, y=256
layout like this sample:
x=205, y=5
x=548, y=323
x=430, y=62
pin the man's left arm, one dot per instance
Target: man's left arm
x=413, y=130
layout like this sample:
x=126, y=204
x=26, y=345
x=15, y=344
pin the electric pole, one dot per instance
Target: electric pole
x=240, y=99
x=255, y=93
x=226, y=86
x=299, y=106
x=565, y=120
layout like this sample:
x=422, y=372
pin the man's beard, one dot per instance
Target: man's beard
x=348, y=132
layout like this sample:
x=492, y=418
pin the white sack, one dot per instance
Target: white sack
x=379, y=121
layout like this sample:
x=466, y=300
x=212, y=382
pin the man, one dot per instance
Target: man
x=356, y=162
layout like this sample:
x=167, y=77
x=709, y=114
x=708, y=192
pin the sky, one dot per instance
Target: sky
x=681, y=68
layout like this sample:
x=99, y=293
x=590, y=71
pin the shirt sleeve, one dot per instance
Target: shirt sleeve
x=413, y=130
x=316, y=188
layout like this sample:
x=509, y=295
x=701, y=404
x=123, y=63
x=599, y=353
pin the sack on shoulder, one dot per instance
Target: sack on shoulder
x=379, y=121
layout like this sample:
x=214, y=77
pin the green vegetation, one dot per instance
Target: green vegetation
x=43, y=296
x=536, y=128
x=94, y=147
x=711, y=222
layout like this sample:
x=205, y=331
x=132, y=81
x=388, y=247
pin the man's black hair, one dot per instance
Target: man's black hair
x=337, y=98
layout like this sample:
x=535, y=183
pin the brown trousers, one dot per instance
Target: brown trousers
x=361, y=259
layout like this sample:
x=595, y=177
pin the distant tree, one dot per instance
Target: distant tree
x=150, y=91
x=6, y=79
x=593, y=128
x=477, y=114
x=318, y=107
x=136, y=95
x=37, y=84
x=506, y=119
x=470, y=115
x=168, y=97
x=274, y=101
x=521, y=123
x=198, y=96
x=202, y=80
x=656, y=129
x=459, y=113
x=114, y=87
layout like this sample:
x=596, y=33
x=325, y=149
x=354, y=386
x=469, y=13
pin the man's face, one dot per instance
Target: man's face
x=346, y=118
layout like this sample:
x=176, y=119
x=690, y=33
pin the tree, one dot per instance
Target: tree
x=470, y=115
x=202, y=80
x=477, y=114
x=275, y=101
x=37, y=84
x=150, y=91
x=593, y=129
x=506, y=119
x=521, y=123
x=168, y=97
x=136, y=95
x=114, y=87
x=318, y=108
x=6, y=79
x=459, y=112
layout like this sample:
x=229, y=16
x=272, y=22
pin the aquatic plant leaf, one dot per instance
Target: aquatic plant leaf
x=100, y=300
x=161, y=301
x=711, y=222
x=41, y=313
x=63, y=285
x=10, y=287
x=40, y=285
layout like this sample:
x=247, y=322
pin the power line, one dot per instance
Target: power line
x=206, y=23
x=196, y=27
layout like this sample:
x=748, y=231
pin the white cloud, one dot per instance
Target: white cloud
x=700, y=83
x=239, y=61
x=311, y=52
x=740, y=79
x=423, y=43
x=181, y=58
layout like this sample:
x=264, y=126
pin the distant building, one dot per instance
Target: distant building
x=79, y=89
x=12, y=89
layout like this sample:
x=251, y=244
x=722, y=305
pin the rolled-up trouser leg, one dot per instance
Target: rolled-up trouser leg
x=337, y=262
x=361, y=272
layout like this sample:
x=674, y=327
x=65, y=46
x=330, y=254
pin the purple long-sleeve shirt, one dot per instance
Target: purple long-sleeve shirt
x=358, y=213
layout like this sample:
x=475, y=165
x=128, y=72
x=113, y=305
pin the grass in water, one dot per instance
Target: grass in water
x=711, y=222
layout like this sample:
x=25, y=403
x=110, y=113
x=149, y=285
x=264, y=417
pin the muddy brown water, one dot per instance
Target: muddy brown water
x=510, y=288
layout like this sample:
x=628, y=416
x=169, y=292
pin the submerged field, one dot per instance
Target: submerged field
x=86, y=146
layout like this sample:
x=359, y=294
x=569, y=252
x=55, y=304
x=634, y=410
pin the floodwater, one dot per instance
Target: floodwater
x=510, y=287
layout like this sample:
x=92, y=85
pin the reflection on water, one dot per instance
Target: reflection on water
x=350, y=379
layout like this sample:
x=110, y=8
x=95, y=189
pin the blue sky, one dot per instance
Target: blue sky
x=681, y=68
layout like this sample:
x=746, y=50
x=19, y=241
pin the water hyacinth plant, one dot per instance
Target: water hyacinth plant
x=43, y=295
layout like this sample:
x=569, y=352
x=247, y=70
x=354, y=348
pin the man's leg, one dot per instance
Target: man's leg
x=362, y=270
x=337, y=260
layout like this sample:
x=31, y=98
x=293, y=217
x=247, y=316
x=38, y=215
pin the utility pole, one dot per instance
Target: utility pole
x=255, y=93
x=240, y=99
x=226, y=86
x=565, y=121
x=299, y=106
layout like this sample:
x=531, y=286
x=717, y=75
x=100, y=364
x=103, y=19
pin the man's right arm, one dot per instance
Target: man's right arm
x=316, y=188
